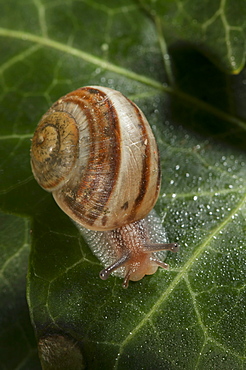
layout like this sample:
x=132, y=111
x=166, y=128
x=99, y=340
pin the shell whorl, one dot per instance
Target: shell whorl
x=109, y=175
x=54, y=149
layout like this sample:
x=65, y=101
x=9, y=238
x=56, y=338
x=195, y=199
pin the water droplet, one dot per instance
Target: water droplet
x=104, y=47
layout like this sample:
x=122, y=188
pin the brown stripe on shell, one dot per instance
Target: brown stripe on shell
x=103, y=165
x=158, y=180
x=146, y=162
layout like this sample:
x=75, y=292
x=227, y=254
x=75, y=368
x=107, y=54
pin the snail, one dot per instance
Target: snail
x=95, y=151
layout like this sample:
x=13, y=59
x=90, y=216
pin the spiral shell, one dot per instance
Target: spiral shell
x=95, y=151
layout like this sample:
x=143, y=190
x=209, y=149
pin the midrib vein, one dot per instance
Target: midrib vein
x=25, y=36
x=196, y=255
x=45, y=41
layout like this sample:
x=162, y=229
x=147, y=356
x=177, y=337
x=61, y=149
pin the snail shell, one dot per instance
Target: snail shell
x=95, y=151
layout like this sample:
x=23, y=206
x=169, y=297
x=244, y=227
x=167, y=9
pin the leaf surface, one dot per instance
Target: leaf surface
x=16, y=333
x=192, y=316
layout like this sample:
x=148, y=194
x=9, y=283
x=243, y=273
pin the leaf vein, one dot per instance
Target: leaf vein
x=180, y=276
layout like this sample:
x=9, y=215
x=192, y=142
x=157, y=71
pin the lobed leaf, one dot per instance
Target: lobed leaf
x=171, y=58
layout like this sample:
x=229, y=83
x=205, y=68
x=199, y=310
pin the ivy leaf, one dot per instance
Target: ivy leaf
x=16, y=334
x=216, y=28
x=192, y=316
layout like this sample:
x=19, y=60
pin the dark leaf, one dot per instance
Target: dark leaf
x=171, y=58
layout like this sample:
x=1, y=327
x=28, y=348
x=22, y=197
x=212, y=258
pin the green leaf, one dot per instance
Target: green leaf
x=216, y=28
x=170, y=58
x=16, y=334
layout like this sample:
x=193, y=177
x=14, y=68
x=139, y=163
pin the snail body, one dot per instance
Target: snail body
x=95, y=151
